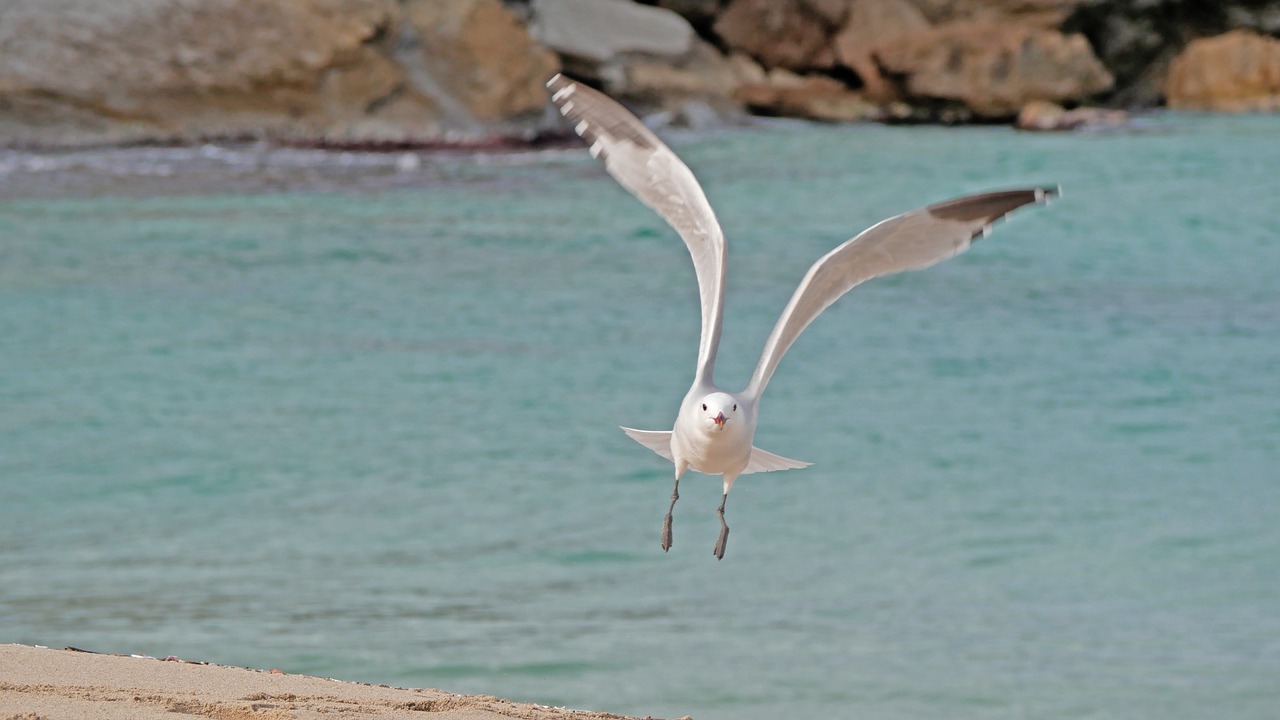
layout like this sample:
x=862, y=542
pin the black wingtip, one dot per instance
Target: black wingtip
x=986, y=208
x=983, y=210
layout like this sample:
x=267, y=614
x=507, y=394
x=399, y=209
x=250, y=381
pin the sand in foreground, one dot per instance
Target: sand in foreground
x=40, y=683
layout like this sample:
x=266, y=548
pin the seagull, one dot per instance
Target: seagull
x=714, y=428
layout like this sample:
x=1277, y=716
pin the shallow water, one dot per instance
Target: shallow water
x=361, y=421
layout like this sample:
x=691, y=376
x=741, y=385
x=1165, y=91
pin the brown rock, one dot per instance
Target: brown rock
x=698, y=91
x=483, y=57
x=1237, y=71
x=1042, y=115
x=872, y=23
x=812, y=97
x=84, y=71
x=1037, y=13
x=703, y=73
x=831, y=12
x=132, y=70
x=698, y=12
x=778, y=33
x=994, y=69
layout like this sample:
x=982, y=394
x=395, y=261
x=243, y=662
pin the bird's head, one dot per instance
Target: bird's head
x=716, y=411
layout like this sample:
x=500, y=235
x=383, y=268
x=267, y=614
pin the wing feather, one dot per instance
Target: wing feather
x=762, y=461
x=911, y=241
x=642, y=164
x=658, y=441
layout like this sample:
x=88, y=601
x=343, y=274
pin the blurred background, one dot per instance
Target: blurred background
x=317, y=325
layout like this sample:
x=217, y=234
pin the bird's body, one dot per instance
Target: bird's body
x=708, y=444
x=714, y=429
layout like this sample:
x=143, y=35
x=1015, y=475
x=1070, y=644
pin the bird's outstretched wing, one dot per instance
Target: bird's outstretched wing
x=658, y=441
x=646, y=167
x=910, y=241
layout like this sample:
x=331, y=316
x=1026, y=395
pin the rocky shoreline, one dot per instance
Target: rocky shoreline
x=392, y=74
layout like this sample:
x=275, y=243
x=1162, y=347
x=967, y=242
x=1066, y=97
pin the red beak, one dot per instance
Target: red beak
x=720, y=419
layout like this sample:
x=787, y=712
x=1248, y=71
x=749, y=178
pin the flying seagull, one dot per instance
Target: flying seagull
x=714, y=428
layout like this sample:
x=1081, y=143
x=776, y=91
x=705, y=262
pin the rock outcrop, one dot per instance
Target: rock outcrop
x=78, y=72
x=992, y=70
x=602, y=31
x=1044, y=116
x=791, y=34
x=480, y=54
x=1035, y=13
x=643, y=54
x=785, y=94
x=1237, y=71
x=957, y=59
x=700, y=13
x=1137, y=41
x=701, y=75
x=872, y=24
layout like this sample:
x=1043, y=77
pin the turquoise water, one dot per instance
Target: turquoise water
x=369, y=430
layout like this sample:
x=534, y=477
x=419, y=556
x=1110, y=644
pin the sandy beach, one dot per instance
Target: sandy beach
x=46, y=684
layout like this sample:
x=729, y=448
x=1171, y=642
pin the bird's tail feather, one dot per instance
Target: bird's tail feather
x=762, y=461
x=659, y=441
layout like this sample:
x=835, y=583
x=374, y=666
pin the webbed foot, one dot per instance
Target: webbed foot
x=724, y=530
x=724, y=540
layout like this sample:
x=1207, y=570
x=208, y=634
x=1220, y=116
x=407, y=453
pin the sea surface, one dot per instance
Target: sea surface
x=356, y=415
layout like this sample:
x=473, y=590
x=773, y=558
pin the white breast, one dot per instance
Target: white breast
x=712, y=451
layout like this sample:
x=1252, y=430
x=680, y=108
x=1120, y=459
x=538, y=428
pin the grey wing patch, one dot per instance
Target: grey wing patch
x=983, y=210
x=598, y=119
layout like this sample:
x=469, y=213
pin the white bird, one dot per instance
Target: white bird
x=714, y=428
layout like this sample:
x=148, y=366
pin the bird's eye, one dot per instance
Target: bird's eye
x=735, y=407
x=704, y=406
